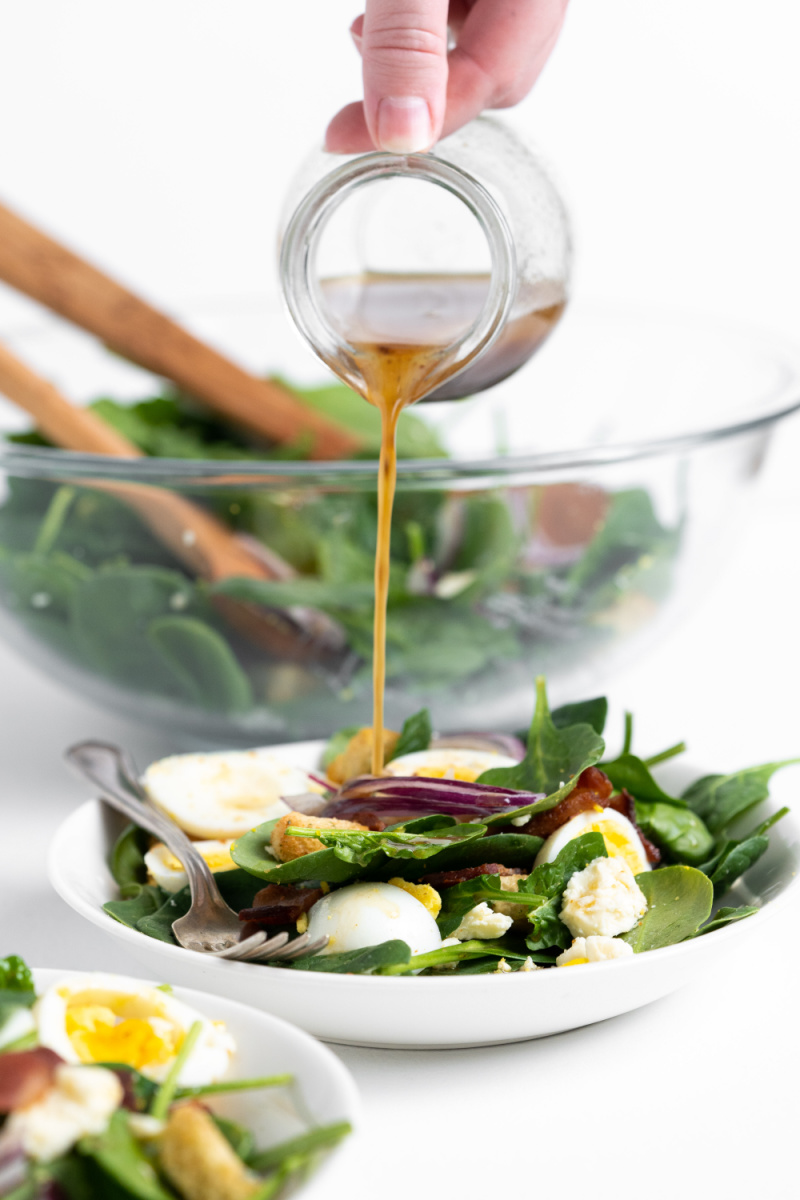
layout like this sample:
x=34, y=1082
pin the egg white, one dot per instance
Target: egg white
x=449, y=762
x=366, y=914
x=619, y=835
x=164, y=869
x=169, y=1020
x=226, y=794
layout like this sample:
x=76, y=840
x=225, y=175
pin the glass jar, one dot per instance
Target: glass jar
x=467, y=246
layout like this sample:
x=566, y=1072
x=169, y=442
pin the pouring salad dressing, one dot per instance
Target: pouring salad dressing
x=404, y=334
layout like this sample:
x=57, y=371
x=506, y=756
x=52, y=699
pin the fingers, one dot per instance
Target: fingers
x=502, y=47
x=404, y=50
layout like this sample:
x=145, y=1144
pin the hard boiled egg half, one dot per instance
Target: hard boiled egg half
x=449, y=762
x=222, y=796
x=620, y=837
x=106, y=1018
x=164, y=869
x=366, y=914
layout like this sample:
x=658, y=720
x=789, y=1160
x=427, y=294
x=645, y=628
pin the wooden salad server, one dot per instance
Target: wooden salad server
x=197, y=538
x=46, y=271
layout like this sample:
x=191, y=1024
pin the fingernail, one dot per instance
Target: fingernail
x=355, y=33
x=404, y=125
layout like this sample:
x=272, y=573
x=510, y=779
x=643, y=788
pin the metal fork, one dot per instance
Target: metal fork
x=210, y=926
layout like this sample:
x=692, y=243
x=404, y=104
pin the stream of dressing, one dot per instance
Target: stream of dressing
x=394, y=376
x=400, y=327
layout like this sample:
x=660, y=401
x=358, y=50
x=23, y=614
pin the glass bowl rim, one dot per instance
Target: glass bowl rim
x=38, y=462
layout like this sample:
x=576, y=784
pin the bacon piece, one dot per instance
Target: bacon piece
x=280, y=904
x=593, y=788
x=446, y=879
x=25, y=1076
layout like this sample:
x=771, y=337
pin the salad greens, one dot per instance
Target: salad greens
x=121, y=1162
x=464, y=864
x=477, y=593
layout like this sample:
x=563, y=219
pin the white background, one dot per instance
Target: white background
x=158, y=138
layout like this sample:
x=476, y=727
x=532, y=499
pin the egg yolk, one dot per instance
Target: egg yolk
x=618, y=844
x=428, y=897
x=217, y=860
x=109, y=1029
x=575, y=962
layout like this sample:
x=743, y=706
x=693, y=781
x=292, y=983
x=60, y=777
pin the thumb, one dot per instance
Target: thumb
x=404, y=49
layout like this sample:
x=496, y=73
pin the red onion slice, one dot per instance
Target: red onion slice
x=416, y=796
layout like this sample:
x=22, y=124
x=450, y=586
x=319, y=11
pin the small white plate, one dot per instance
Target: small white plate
x=323, y=1091
x=428, y=1012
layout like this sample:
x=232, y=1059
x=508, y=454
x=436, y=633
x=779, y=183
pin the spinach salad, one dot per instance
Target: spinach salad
x=558, y=855
x=94, y=1099
x=488, y=586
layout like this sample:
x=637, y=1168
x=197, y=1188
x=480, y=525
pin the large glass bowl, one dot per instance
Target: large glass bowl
x=583, y=505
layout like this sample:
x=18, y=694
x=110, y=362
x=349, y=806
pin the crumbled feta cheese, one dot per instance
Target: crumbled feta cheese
x=530, y=965
x=602, y=899
x=482, y=922
x=451, y=941
x=81, y=1101
x=593, y=949
x=523, y=820
x=502, y=968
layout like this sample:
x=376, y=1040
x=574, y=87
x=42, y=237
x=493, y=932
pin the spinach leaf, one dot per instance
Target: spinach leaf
x=16, y=986
x=630, y=773
x=415, y=735
x=111, y=612
x=720, y=799
x=554, y=760
x=583, y=712
x=477, y=948
x=311, y=592
x=510, y=849
x=679, y=900
x=337, y=744
x=144, y=902
x=549, y=930
x=120, y=1156
x=324, y=1137
x=353, y=846
x=126, y=861
x=735, y=856
x=355, y=962
x=252, y=853
x=679, y=832
x=727, y=916
x=549, y=880
x=202, y=660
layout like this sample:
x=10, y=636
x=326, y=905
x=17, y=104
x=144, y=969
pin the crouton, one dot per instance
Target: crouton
x=356, y=758
x=518, y=912
x=285, y=848
x=199, y=1161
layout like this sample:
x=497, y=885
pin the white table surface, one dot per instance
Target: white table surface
x=695, y=1095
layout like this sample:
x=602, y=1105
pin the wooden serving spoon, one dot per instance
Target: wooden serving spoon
x=43, y=269
x=201, y=542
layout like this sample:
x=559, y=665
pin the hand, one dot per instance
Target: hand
x=415, y=92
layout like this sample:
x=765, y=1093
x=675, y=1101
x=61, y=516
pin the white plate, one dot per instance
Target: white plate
x=424, y=1013
x=322, y=1093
